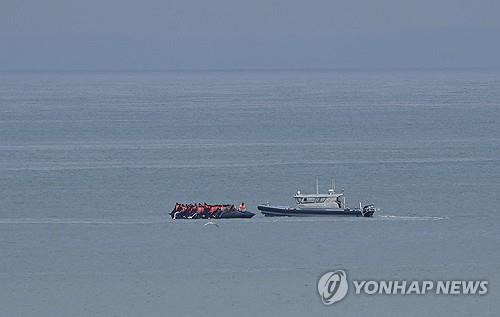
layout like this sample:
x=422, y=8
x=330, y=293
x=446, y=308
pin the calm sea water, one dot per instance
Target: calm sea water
x=90, y=164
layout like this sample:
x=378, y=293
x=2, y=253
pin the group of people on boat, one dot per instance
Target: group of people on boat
x=204, y=210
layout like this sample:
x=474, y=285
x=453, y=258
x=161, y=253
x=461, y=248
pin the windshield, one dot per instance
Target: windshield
x=310, y=200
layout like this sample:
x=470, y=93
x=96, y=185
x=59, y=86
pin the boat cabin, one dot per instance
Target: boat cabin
x=330, y=200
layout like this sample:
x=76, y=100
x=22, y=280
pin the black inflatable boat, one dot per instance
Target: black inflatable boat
x=184, y=211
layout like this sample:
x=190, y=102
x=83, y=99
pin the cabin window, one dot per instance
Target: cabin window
x=306, y=200
x=310, y=200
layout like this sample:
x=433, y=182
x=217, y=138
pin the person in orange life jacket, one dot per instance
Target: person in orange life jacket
x=200, y=209
x=213, y=210
x=242, y=207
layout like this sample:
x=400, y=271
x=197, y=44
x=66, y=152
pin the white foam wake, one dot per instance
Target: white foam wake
x=347, y=219
x=166, y=219
x=91, y=221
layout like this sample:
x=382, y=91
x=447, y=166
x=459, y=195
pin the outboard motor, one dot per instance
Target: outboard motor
x=368, y=210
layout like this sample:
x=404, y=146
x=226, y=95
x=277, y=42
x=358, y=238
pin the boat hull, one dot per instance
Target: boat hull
x=236, y=214
x=233, y=214
x=280, y=211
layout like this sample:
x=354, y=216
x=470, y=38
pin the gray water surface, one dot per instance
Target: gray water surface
x=90, y=164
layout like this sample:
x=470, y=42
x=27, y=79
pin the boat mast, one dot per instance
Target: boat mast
x=317, y=186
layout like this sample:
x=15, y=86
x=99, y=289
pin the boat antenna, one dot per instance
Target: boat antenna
x=333, y=184
x=317, y=186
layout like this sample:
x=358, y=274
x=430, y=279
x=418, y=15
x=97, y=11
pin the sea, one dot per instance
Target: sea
x=91, y=163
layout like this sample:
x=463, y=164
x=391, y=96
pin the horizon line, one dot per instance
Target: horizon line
x=247, y=69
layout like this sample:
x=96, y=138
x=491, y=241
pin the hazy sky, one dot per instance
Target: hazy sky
x=234, y=34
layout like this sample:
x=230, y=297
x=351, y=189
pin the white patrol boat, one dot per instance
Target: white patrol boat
x=330, y=204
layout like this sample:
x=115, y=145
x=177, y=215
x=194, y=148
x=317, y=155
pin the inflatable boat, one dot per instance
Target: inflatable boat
x=199, y=211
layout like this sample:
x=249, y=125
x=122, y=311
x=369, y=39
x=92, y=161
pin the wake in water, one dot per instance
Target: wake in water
x=159, y=220
x=84, y=221
x=351, y=219
x=391, y=217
